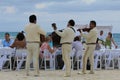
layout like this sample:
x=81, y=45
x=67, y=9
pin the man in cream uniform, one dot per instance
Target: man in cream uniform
x=91, y=39
x=67, y=37
x=33, y=32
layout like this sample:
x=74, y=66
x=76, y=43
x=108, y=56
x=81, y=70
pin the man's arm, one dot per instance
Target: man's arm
x=61, y=34
x=42, y=31
x=114, y=43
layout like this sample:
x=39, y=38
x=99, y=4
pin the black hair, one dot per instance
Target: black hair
x=93, y=22
x=20, y=36
x=50, y=35
x=22, y=32
x=53, y=24
x=110, y=34
x=101, y=31
x=7, y=34
x=71, y=22
x=32, y=18
x=77, y=38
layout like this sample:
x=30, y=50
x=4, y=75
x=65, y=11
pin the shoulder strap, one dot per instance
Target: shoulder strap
x=73, y=29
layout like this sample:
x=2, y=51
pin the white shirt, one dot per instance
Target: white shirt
x=101, y=37
x=77, y=45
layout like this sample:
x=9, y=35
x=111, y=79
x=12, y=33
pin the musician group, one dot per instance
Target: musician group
x=61, y=38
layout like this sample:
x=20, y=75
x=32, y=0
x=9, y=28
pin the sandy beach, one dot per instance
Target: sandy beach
x=58, y=75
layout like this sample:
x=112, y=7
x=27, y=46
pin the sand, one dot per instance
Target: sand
x=58, y=75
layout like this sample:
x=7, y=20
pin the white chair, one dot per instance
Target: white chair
x=72, y=54
x=2, y=58
x=7, y=55
x=79, y=58
x=116, y=53
x=118, y=58
x=109, y=59
x=20, y=57
x=97, y=59
x=48, y=57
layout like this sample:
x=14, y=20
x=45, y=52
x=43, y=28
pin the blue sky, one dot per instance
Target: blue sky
x=14, y=13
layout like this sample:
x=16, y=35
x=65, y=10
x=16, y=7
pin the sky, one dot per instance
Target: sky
x=14, y=14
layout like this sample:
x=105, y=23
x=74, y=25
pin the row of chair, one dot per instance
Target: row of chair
x=19, y=56
x=106, y=57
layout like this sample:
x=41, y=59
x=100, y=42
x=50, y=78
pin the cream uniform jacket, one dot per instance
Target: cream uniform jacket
x=67, y=35
x=33, y=32
x=91, y=37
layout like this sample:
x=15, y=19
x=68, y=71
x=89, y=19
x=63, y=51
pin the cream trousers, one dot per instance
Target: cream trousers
x=66, y=49
x=89, y=53
x=33, y=54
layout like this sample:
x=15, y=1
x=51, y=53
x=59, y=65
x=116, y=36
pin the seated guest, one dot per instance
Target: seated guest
x=101, y=39
x=46, y=45
x=42, y=39
x=77, y=45
x=77, y=49
x=101, y=36
x=7, y=41
x=109, y=41
x=19, y=41
x=20, y=45
x=51, y=42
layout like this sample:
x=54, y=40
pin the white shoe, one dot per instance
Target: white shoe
x=81, y=72
x=67, y=75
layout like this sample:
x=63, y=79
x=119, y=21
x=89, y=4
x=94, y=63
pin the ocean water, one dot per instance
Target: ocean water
x=12, y=35
x=116, y=37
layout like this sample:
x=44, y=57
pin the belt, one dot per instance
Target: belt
x=66, y=43
x=90, y=43
x=32, y=41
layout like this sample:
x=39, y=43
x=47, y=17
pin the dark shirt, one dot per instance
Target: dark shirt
x=56, y=39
